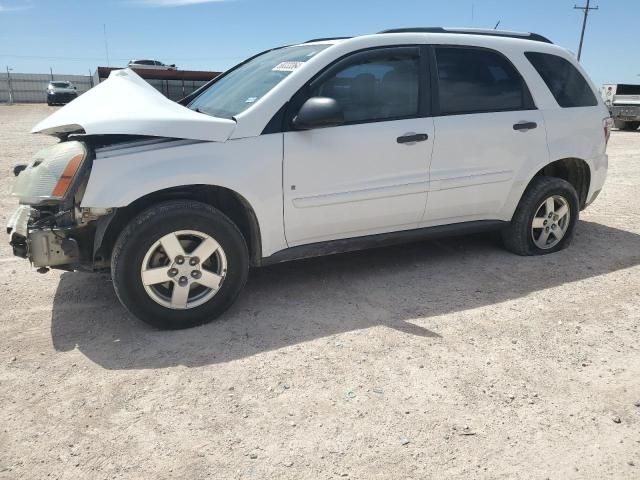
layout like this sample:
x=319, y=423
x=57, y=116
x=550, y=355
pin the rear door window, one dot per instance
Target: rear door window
x=566, y=83
x=477, y=80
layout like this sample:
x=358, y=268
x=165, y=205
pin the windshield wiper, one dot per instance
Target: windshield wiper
x=220, y=114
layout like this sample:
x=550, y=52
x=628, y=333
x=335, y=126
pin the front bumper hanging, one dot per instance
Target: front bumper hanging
x=18, y=230
x=44, y=247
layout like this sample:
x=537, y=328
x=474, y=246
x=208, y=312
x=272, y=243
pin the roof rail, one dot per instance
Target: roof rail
x=326, y=39
x=472, y=31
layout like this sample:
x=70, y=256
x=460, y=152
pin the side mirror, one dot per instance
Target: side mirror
x=318, y=112
x=75, y=88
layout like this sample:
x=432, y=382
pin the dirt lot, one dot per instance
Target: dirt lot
x=448, y=359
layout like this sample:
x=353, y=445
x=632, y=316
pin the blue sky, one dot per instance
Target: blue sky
x=67, y=35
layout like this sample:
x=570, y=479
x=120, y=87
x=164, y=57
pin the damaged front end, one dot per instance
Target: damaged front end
x=49, y=228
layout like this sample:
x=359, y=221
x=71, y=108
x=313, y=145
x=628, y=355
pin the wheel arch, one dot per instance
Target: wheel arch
x=574, y=170
x=228, y=201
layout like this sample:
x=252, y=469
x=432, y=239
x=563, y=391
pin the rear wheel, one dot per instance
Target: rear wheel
x=179, y=264
x=545, y=219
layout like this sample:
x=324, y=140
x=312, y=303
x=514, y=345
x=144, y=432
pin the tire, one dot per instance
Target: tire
x=522, y=238
x=139, y=246
x=620, y=124
x=631, y=126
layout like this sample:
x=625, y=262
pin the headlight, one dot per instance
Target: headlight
x=51, y=173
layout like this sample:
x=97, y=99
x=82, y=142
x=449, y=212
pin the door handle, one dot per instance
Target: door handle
x=413, y=138
x=524, y=126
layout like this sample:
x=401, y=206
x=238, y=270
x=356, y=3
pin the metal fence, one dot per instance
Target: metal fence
x=32, y=87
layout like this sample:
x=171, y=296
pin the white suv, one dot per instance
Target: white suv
x=312, y=149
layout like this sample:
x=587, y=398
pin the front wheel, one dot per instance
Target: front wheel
x=545, y=219
x=179, y=264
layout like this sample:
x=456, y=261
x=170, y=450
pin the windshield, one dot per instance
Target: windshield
x=245, y=85
x=60, y=84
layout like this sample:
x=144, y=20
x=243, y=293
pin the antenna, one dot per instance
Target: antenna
x=106, y=44
x=587, y=8
x=496, y=27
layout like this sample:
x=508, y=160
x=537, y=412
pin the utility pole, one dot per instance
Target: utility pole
x=587, y=8
x=9, y=85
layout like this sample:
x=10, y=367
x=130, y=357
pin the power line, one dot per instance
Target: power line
x=586, y=9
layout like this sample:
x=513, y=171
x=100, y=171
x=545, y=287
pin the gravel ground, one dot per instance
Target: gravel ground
x=446, y=359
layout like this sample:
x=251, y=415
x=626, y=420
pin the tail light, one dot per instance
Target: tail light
x=607, y=124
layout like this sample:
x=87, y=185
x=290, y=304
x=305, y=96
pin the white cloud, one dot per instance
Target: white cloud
x=172, y=3
x=15, y=6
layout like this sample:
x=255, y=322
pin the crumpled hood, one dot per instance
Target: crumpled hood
x=125, y=104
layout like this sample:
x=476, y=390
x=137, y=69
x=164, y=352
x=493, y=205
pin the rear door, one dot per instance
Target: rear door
x=487, y=130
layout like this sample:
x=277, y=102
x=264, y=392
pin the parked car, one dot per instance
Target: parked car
x=60, y=92
x=623, y=101
x=150, y=64
x=322, y=147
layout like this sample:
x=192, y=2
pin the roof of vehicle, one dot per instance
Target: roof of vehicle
x=143, y=60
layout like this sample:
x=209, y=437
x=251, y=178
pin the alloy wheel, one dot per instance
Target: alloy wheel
x=183, y=269
x=551, y=222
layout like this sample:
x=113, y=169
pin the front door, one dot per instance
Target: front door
x=370, y=174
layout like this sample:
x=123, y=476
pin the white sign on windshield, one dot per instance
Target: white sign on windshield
x=287, y=66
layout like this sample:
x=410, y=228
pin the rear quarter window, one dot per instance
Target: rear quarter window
x=566, y=83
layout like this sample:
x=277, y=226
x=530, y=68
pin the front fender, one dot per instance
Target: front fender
x=251, y=167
